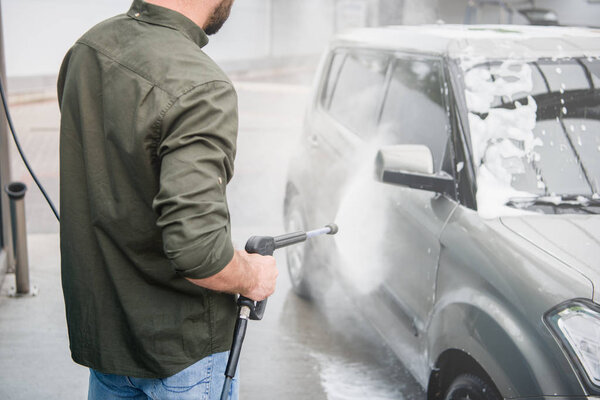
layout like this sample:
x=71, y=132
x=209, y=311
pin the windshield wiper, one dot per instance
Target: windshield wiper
x=588, y=204
x=582, y=198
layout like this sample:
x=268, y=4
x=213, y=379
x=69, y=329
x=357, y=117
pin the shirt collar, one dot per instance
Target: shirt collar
x=153, y=14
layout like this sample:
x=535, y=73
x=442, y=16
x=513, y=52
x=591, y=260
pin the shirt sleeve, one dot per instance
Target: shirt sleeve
x=196, y=155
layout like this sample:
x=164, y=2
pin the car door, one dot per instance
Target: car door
x=414, y=111
x=342, y=120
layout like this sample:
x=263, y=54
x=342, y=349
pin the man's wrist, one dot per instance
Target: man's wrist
x=248, y=281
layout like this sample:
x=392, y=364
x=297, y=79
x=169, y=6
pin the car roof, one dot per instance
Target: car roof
x=488, y=41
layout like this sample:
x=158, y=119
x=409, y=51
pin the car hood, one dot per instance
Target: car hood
x=573, y=239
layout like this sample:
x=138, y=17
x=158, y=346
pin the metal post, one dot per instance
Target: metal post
x=16, y=193
x=6, y=242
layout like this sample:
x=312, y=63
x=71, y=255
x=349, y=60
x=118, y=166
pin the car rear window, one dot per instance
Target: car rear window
x=357, y=93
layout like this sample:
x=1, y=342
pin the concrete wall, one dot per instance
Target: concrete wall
x=38, y=33
x=246, y=34
x=301, y=27
x=419, y=12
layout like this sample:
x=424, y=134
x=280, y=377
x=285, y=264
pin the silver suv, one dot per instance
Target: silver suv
x=462, y=164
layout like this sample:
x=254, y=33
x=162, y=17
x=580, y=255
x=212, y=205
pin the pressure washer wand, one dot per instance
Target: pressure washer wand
x=255, y=310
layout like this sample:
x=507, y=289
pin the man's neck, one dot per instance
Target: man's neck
x=197, y=11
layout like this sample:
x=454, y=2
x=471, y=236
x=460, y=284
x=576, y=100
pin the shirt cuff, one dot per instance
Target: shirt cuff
x=194, y=263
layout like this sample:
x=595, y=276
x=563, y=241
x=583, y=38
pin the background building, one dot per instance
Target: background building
x=38, y=32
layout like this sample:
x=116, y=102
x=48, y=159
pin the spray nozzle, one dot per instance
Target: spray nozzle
x=333, y=228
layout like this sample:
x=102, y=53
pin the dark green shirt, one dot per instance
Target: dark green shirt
x=147, y=145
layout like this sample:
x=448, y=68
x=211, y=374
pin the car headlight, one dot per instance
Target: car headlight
x=577, y=325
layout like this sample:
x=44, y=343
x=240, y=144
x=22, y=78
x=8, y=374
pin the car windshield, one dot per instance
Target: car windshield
x=534, y=130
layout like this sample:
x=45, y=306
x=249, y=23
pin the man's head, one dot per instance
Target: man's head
x=218, y=17
x=208, y=14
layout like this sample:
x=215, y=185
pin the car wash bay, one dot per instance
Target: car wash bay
x=298, y=351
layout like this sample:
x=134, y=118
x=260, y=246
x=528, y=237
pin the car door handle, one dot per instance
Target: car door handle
x=313, y=140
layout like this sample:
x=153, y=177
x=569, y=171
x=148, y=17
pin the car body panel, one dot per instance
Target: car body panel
x=574, y=239
x=415, y=221
x=485, y=291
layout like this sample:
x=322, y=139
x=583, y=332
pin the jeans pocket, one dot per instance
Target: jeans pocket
x=192, y=377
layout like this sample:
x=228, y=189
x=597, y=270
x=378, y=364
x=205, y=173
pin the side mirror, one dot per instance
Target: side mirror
x=412, y=166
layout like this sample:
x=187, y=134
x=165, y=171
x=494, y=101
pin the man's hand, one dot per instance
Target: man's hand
x=264, y=271
x=250, y=275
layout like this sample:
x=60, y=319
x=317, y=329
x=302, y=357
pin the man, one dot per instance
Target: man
x=148, y=140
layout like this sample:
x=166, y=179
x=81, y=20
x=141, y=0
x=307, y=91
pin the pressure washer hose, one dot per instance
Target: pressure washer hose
x=20, y=150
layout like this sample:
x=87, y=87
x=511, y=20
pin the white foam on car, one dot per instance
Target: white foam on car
x=490, y=41
x=502, y=139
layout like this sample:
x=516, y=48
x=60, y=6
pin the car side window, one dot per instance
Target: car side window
x=335, y=64
x=357, y=94
x=414, y=109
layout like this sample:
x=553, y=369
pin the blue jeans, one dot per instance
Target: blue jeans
x=201, y=381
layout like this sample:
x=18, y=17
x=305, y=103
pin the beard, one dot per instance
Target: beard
x=218, y=17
